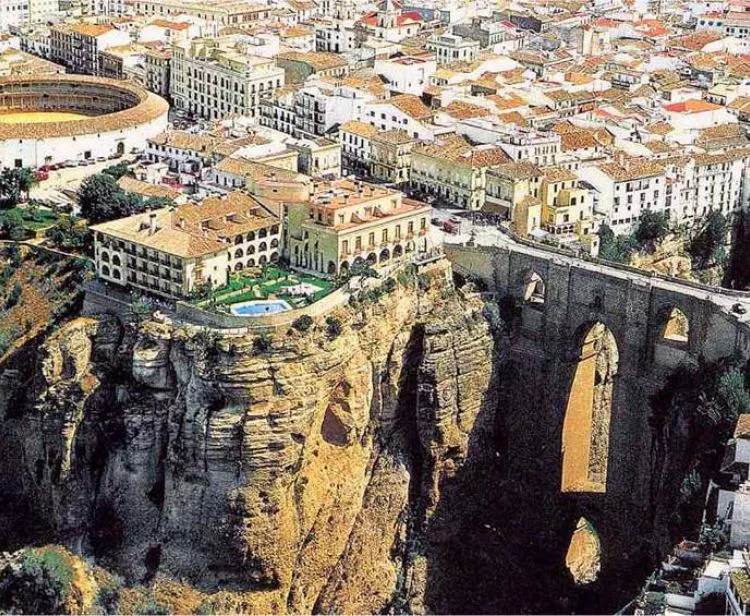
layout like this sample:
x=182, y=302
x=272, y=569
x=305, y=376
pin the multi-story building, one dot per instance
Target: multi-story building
x=78, y=46
x=567, y=206
x=356, y=146
x=158, y=70
x=17, y=13
x=348, y=222
x=118, y=62
x=453, y=48
x=213, y=78
x=536, y=147
x=627, y=187
x=216, y=16
x=508, y=185
x=172, y=250
x=406, y=74
x=453, y=171
x=404, y=112
x=336, y=37
x=391, y=156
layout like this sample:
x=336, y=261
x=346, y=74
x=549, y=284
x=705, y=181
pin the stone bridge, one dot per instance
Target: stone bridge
x=593, y=342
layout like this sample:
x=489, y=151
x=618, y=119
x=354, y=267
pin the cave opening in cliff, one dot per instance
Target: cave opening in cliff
x=583, y=558
x=585, y=436
x=676, y=327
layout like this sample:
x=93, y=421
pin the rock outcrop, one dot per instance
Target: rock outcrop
x=300, y=471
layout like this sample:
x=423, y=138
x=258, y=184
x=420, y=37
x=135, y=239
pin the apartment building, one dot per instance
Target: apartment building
x=121, y=61
x=509, y=184
x=626, y=188
x=406, y=74
x=78, y=46
x=348, y=222
x=170, y=251
x=356, y=146
x=404, y=112
x=453, y=171
x=391, y=156
x=452, y=48
x=158, y=70
x=214, y=78
x=540, y=148
x=215, y=16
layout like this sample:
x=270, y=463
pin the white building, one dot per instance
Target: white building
x=453, y=48
x=214, y=78
x=406, y=74
x=626, y=189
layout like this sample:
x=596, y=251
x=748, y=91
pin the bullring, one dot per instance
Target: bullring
x=103, y=117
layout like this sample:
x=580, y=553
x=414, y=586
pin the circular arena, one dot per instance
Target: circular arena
x=49, y=119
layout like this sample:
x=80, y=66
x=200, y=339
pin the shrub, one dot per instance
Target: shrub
x=14, y=295
x=108, y=597
x=303, y=323
x=42, y=584
x=389, y=285
x=333, y=327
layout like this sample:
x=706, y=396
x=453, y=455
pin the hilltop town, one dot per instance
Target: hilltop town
x=327, y=305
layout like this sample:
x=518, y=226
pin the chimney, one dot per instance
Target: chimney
x=152, y=223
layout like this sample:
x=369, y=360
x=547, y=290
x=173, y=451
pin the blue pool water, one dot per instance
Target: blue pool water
x=260, y=307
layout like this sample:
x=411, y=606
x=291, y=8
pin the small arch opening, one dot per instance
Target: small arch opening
x=583, y=558
x=533, y=290
x=676, y=327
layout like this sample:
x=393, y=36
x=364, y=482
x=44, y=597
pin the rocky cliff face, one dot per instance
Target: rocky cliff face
x=300, y=471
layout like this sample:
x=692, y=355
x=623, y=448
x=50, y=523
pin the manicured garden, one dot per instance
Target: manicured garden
x=272, y=282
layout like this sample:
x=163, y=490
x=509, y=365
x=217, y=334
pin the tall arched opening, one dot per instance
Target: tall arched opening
x=583, y=558
x=585, y=436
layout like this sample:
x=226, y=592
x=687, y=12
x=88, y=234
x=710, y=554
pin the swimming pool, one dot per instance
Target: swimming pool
x=260, y=307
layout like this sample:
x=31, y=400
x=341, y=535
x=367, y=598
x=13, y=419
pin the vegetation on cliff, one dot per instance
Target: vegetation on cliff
x=698, y=405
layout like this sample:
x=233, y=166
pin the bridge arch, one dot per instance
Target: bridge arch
x=588, y=410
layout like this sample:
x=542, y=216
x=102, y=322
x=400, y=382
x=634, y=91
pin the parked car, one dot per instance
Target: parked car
x=436, y=221
x=450, y=227
x=739, y=308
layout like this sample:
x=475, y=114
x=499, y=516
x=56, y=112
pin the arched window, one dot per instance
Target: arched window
x=262, y=233
x=274, y=257
x=262, y=260
x=251, y=236
x=274, y=243
x=105, y=270
x=263, y=247
x=238, y=254
x=237, y=266
x=251, y=262
x=116, y=260
x=105, y=256
x=238, y=240
x=585, y=437
x=116, y=274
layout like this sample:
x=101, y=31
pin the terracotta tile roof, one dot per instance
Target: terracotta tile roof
x=394, y=137
x=411, y=105
x=91, y=29
x=193, y=230
x=359, y=128
x=692, y=106
x=457, y=148
x=147, y=189
x=633, y=169
x=558, y=174
x=520, y=170
x=149, y=107
x=171, y=25
x=462, y=110
x=577, y=140
x=182, y=140
x=319, y=60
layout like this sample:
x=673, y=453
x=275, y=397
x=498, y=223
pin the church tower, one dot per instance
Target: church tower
x=388, y=13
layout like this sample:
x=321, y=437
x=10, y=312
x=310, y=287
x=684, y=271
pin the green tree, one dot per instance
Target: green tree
x=333, y=327
x=706, y=245
x=12, y=225
x=118, y=170
x=652, y=226
x=14, y=182
x=68, y=234
x=617, y=248
x=97, y=198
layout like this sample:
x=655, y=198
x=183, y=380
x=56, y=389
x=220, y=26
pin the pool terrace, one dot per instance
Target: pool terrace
x=272, y=283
